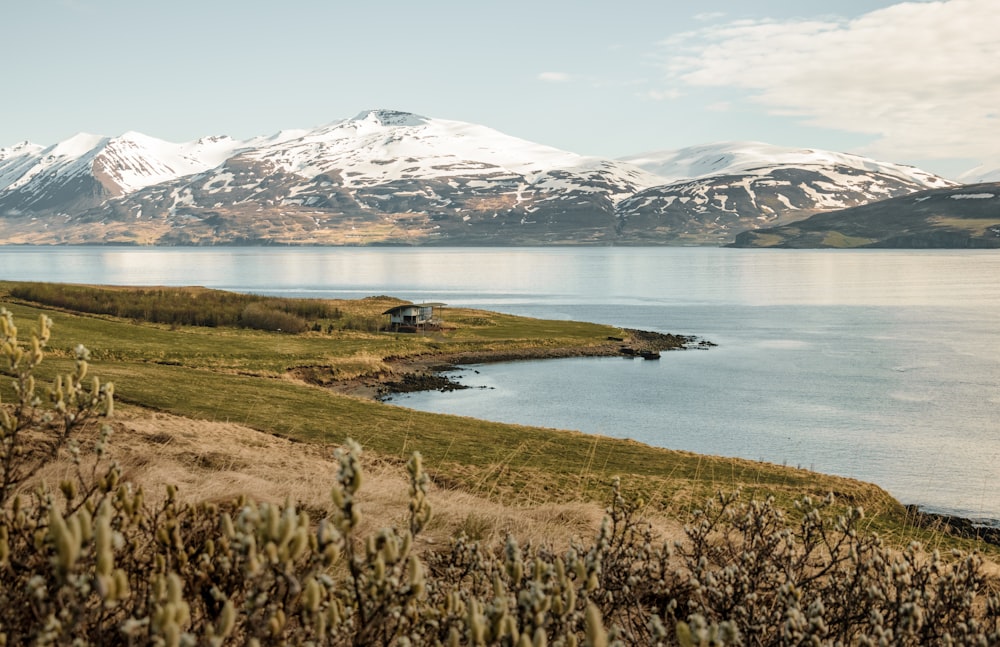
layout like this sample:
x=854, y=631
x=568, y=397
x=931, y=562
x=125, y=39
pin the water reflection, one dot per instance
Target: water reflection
x=619, y=275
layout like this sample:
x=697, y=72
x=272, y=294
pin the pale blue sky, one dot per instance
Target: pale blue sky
x=914, y=82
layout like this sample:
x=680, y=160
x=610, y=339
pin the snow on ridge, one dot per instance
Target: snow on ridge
x=16, y=160
x=155, y=160
x=386, y=117
x=20, y=148
x=61, y=158
x=134, y=160
x=382, y=145
x=76, y=146
x=129, y=162
x=277, y=138
x=730, y=158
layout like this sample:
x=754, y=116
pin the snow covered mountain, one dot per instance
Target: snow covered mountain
x=85, y=170
x=714, y=192
x=381, y=146
x=394, y=177
x=383, y=176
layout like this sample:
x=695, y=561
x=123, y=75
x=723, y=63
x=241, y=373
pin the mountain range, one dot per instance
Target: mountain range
x=390, y=177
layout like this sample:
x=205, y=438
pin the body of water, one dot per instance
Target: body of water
x=878, y=365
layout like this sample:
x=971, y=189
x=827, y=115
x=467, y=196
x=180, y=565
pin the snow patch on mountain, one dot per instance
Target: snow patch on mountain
x=972, y=196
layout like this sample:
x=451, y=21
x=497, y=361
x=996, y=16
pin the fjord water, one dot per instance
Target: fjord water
x=878, y=365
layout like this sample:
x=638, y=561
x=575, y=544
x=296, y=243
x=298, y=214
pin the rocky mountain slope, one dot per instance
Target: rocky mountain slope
x=956, y=217
x=388, y=177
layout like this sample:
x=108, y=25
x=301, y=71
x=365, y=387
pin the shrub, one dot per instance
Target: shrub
x=181, y=306
x=260, y=316
x=32, y=434
x=95, y=564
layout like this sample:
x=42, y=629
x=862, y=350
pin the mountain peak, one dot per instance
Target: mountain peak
x=385, y=117
x=134, y=135
x=213, y=139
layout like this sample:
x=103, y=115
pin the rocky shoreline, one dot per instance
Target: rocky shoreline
x=428, y=372
x=955, y=526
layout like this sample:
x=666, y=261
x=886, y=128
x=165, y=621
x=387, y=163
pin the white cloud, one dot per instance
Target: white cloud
x=923, y=78
x=554, y=77
x=709, y=16
x=663, y=95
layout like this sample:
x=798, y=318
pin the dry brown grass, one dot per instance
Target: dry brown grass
x=357, y=365
x=217, y=461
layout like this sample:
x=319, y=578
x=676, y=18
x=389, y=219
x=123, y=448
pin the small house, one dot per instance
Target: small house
x=414, y=316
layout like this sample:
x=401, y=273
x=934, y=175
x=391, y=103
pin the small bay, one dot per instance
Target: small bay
x=882, y=365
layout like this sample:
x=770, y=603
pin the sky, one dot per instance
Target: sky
x=909, y=82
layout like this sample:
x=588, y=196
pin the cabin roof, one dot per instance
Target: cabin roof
x=406, y=306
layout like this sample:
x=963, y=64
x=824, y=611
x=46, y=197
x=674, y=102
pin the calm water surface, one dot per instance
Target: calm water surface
x=879, y=365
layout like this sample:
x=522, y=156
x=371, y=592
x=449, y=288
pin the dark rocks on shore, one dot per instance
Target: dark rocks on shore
x=413, y=382
x=956, y=526
x=648, y=344
x=660, y=341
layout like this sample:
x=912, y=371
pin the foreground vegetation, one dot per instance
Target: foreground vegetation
x=91, y=562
